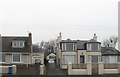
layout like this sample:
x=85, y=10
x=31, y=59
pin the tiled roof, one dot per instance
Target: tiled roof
x=92, y=41
x=110, y=51
x=7, y=44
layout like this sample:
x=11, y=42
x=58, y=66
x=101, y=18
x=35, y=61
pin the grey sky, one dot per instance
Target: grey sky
x=75, y=19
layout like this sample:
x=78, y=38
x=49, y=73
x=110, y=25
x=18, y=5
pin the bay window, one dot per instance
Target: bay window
x=110, y=59
x=69, y=59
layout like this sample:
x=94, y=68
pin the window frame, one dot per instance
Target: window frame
x=2, y=58
x=110, y=60
x=91, y=56
x=18, y=44
x=64, y=57
x=89, y=47
x=64, y=46
x=13, y=57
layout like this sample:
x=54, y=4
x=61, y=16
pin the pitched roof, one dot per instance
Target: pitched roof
x=7, y=44
x=92, y=41
x=69, y=41
x=110, y=51
x=81, y=44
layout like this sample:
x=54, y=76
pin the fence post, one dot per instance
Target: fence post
x=118, y=66
x=89, y=68
x=14, y=69
x=41, y=69
x=100, y=68
x=69, y=68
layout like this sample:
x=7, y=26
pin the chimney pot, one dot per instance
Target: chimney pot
x=95, y=37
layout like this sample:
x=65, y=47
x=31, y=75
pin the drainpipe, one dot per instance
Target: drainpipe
x=30, y=48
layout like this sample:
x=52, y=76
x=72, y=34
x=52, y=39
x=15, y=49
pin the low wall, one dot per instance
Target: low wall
x=109, y=68
x=80, y=69
x=8, y=69
x=110, y=71
x=91, y=69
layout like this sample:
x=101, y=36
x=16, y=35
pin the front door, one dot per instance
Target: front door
x=82, y=59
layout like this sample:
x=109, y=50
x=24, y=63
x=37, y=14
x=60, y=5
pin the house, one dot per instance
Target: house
x=16, y=50
x=78, y=51
x=19, y=50
x=87, y=56
x=110, y=55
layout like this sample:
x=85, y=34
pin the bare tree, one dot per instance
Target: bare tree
x=111, y=40
x=106, y=43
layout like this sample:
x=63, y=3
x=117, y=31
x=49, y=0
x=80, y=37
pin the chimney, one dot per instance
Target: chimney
x=95, y=37
x=30, y=42
x=60, y=36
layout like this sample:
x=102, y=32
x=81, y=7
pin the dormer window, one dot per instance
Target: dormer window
x=93, y=47
x=18, y=44
x=69, y=46
x=89, y=47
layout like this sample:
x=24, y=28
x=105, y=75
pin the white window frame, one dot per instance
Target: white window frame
x=89, y=47
x=110, y=60
x=99, y=47
x=18, y=44
x=2, y=61
x=63, y=44
x=17, y=54
x=90, y=58
x=74, y=46
x=66, y=56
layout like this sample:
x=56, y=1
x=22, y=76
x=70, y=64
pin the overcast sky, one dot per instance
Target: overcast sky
x=75, y=19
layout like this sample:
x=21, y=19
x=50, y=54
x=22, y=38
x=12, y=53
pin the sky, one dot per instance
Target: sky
x=45, y=19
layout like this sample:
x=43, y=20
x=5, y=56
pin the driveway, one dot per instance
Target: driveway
x=53, y=69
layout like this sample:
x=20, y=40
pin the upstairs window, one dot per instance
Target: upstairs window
x=69, y=47
x=18, y=44
x=64, y=47
x=93, y=47
x=89, y=47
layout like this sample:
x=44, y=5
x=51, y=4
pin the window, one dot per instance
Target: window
x=74, y=46
x=99, y=47
x=16, y=57
x=69, y=46
x=110, y=59
x=63, y=46
x=18, y=44
x=93, y=47
x=2, y=57
x=69, y=59
x=89, y=47
x=94, y=58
